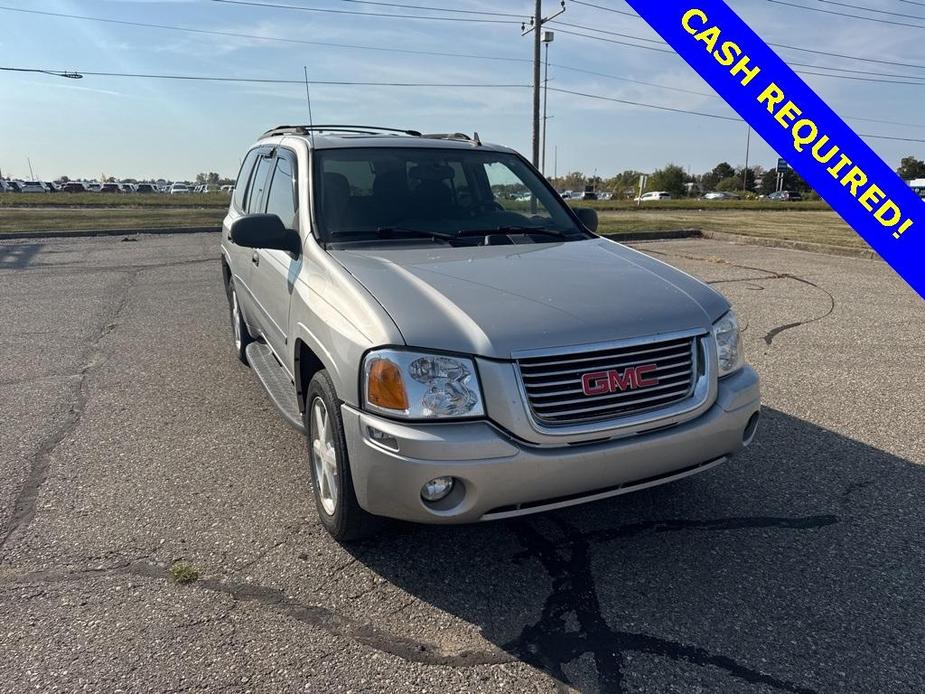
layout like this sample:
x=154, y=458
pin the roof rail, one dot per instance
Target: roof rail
x=446, y=136
x=359, y=129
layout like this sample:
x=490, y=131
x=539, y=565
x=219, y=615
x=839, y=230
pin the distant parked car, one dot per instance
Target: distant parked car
x=110, y=188
x=721, y=195
x=33, y=187
x=208, y=189
x=145, y=188
x=653, y=196
x=74, y=187
x=588, y=195
x=785, y=196
x=179, y=188
x=227, y=189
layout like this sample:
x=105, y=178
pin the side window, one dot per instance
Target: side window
x=257, y=186
x=244, y=175
x=281, y=198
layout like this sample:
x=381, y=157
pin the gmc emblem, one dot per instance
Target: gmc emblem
x=613, y=381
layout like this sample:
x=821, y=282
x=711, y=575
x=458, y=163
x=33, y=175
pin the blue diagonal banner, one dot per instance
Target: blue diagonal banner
x=838, y=164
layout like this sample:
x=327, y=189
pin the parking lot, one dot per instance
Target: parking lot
x=134, y=439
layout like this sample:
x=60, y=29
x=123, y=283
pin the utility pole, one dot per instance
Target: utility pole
x=537, y=43
x=548, y=37
x=536, y=26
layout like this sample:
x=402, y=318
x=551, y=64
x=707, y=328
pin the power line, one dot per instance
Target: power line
x=845, y=14
x=328, y=10
x=870, y=9
x=259, y=37
x=801, y=72
x=449, y=85
x=605, y=31
x=716, y=116
x=789, y=47
x=627, y=79
x=436, y=9
x=608, y=9
x=256, y=80
x=621, y=43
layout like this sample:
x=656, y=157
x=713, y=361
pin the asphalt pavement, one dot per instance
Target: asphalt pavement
x=132, y=439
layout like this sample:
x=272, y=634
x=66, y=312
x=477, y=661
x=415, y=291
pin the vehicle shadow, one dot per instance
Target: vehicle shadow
x=796, y=567
x=18, y=256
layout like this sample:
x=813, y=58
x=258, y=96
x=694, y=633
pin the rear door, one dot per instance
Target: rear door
x=247, y=193
x=272, y=272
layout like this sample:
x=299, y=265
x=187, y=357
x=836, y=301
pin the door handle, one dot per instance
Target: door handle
x=255, y=259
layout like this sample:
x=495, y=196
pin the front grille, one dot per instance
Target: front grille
x=556, y=395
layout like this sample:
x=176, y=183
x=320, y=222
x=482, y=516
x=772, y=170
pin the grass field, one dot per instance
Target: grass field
x=807, y=222
x=695, y=204
x=815, y=226
x=50, y=219
x=112, y=200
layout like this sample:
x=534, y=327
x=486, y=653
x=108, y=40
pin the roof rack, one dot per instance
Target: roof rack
x=358, y=129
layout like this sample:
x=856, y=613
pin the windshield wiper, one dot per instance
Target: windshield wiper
x=397, y=232
x=543, y=231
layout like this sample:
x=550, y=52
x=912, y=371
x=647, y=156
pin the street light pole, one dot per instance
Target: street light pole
x=748, y=142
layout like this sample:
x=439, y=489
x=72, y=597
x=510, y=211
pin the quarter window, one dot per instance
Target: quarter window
x=281, y=197
x=258, y=185
x=240, y=188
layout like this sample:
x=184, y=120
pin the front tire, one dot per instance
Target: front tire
x=335, y=500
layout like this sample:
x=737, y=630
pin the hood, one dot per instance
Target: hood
x=495, y=300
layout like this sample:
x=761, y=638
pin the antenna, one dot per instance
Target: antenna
x=308, y=98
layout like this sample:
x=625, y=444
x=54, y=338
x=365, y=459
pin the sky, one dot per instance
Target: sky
x=152, y=128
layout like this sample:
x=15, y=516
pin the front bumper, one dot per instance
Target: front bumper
x=498, y=476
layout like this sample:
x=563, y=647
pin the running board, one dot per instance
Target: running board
x=276, y=382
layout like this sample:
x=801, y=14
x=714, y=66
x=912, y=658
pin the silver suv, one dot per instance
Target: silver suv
x=456, y=343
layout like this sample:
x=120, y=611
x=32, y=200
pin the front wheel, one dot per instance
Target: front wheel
x=335, y=500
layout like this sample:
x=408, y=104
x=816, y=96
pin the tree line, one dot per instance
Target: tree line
x=756, y=180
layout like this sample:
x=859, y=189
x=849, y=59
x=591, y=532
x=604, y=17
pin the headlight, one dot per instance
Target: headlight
x=728, y=344
x=421, y=386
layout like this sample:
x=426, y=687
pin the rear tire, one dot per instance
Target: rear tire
x=335, y=499
x=239, y=333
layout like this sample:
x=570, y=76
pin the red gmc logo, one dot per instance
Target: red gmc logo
x=613, y=381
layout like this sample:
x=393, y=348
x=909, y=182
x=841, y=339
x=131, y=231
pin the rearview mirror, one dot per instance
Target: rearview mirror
x=265, y=231
x=587, y=216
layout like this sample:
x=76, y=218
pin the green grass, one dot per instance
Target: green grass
x=50, y=219
x=814, y=226
x=694, y=204
x=183, y=573
x=113, y=200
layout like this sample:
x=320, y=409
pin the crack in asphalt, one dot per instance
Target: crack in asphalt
x=26, y=500
x=547, y=645
x=770, y=275
x=550, y=644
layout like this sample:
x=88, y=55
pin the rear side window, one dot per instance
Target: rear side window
x=244, y=175
x=258, y=185
x=281, y=197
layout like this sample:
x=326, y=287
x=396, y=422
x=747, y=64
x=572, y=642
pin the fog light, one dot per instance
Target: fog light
x=437, y=489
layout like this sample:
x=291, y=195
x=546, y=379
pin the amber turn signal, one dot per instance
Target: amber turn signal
x=385, y=388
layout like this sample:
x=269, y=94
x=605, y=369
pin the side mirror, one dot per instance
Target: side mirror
x=587, y=216
x=265, y=231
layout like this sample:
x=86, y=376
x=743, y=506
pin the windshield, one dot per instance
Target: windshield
x=461, y=195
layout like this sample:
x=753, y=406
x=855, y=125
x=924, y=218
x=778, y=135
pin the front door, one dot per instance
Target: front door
x=273, y=273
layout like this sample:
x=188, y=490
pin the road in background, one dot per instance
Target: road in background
x=133, y=439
